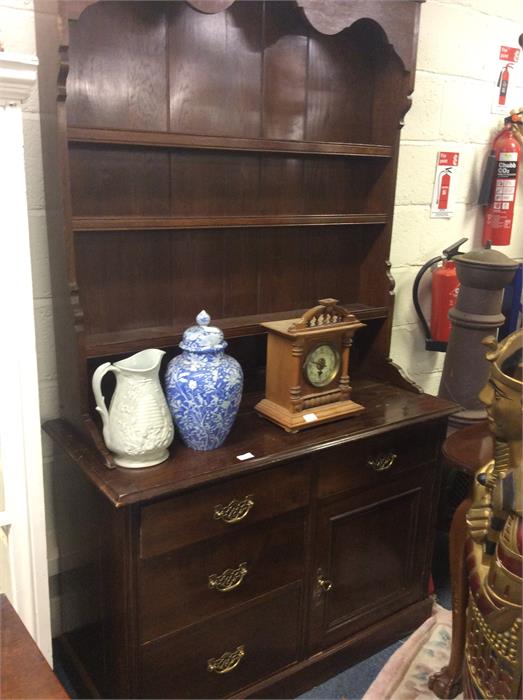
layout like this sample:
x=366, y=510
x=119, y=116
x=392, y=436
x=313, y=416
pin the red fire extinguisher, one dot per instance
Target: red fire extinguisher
x=444, y=290
x=498, y=190
x=443, y=188
x=503, y=79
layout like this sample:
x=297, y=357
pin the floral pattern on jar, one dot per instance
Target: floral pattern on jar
x=203, y=387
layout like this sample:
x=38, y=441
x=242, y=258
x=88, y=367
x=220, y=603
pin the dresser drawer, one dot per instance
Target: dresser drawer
x=225, y=654
x=369, y=462
x=226, y=507
x=183, y=587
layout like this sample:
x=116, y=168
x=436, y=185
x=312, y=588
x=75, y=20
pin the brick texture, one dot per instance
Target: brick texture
x=451, y=111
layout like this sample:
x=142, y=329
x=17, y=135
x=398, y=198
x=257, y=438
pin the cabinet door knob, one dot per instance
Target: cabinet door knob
x=236, y=510
x=229, y=579
x=227, y=662
x=324, y=583
x=382, y=462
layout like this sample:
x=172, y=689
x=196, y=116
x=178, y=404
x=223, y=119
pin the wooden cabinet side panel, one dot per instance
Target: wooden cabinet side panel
x=101, y=651
x=119, y=608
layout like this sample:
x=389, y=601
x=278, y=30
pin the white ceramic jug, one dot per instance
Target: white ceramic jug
x=138, y=427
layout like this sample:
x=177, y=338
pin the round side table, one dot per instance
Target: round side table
x=464, y=452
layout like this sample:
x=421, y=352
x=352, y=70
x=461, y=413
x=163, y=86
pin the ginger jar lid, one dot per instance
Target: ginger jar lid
x=203, y=338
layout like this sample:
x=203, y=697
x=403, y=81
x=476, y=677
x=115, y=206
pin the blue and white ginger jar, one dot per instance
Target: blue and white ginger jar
x=203, y=386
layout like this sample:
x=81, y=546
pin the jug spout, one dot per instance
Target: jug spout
x=142, y=362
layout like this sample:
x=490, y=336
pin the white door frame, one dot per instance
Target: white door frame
x=23, y=517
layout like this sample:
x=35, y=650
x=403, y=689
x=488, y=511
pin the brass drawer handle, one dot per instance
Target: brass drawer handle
x=237, y=510
x=229, y=579
x=382, y=462
x=226, y=662
x=324, y=583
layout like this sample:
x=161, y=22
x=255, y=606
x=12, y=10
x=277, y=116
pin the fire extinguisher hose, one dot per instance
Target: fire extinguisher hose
x=485, y=193
x=447, y=254
x=415, y=288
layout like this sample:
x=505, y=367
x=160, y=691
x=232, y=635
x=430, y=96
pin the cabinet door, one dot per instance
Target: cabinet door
x=373, y=554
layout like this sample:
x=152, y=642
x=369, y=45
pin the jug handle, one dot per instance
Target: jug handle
x=96, y=382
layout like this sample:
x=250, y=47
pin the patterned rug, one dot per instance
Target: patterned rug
x=406, y=673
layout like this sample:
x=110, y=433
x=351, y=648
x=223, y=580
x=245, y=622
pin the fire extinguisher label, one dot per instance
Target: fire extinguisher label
x=444, y=185
x=505, y=78
x=506, y=175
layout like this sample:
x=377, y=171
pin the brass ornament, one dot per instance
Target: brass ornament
x=382, y=462
x=236, y=510
x=227, y=662
x=324, y=583
x=229, y=579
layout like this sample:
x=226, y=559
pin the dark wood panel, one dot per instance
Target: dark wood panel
x=176, y=666
x=215, y=70
x=284, y=72
x=381, y=536
x=164, y=139
x=303, y=675
x=240, y=272
x=125, y=280
x=387, y=407
x=281, y=186
x=395, y=20
x=352, y=468
x=355, y=183
x=119, y=181
x=317, y=668
x=339, y=88
x=385, y=531
x=215, y=184
x=117, y=342
x=118, y=75
x=335, y=252
x=174, y=590
x=138, y=279
x=284, y=258
x=198, y=264
x=391, y=86
x=174, y=523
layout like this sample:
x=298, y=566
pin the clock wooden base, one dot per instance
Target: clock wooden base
x=293, y=421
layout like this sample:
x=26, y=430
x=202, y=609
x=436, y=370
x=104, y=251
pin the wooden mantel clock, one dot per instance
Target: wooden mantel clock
x=307, y=380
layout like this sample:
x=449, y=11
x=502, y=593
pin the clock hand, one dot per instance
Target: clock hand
x=320, y=364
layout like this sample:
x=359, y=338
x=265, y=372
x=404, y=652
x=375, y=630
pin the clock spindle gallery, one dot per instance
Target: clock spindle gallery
x=240, y=157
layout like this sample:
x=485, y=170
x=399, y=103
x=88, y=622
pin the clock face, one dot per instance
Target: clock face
x=321, y=365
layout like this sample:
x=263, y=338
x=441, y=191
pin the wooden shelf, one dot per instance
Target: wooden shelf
x=164, y=139
x=120, y=342
x=153, y=223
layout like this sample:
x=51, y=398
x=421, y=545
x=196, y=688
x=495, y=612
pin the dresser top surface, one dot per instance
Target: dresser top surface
x=387, y=407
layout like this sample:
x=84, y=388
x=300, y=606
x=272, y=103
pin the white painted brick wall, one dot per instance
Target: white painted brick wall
x=24, y=30
x=451, y=111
